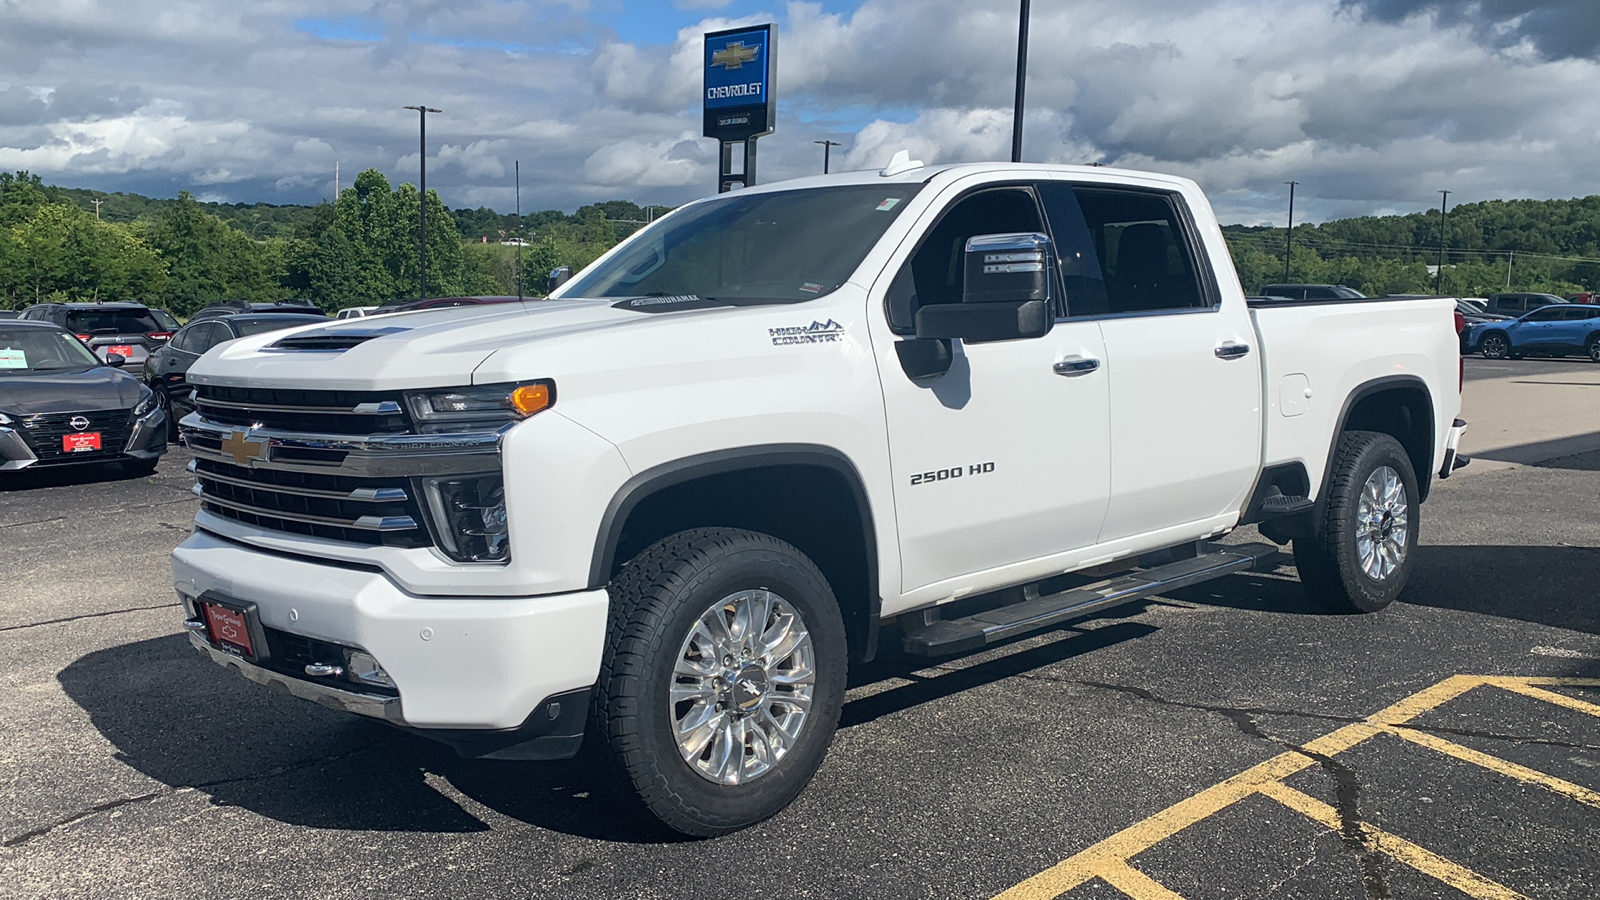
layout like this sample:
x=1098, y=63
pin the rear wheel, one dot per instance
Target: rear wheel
x=1359, y=557
x=722, y=679
x=1495, y=346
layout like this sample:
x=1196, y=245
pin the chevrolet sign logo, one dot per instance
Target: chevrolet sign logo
x=244, y=448
x=735, y=55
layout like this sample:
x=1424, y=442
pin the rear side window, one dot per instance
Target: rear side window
x=111, y=321
x=1140, y=244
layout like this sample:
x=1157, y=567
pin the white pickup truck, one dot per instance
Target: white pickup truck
x=669, y=505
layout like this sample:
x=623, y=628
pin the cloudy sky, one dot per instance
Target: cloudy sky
x=1372, y=105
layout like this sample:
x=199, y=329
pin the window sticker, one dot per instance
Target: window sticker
x=13, y=358
x=888, y=204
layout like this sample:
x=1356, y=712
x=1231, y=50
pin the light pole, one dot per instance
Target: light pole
x=826, y=147
x=422, y=281
x=1438, y=277
x=1022, y=78
x=1288, y=238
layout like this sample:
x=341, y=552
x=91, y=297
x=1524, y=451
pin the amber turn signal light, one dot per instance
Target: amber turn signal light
x=531, y=398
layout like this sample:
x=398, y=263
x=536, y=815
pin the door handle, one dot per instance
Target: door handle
x=1232, y=351
x=1077, y=365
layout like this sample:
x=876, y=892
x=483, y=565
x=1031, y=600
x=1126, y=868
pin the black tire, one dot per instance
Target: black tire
x=1330, y=560
x=140, y=466
x=1494, y=345
x=1592, y=348
x=656, y=600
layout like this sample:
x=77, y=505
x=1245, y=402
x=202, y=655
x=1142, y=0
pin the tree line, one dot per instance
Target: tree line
x=361, y=249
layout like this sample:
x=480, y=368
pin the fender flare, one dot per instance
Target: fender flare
x=647, y=483
x=1361, y=392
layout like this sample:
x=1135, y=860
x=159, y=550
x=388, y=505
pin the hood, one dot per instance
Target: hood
x=101, y=387
x=426, y=348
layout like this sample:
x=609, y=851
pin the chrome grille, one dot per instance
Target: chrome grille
x=312, y=412
x=43, y=433
x=368, y=511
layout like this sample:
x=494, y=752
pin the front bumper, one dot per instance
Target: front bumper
x=147, y=440
x=462, y=667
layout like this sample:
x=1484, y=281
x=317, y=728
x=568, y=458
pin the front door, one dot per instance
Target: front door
x=1004, y=458
x=1184, y=374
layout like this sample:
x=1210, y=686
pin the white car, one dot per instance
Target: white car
x=356, y=312
x=679, y=496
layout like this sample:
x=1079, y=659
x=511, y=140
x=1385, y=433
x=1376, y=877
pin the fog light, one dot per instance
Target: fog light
x=363, y=667
x=469, y=517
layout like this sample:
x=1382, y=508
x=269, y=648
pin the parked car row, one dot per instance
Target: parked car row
x=1557, y=329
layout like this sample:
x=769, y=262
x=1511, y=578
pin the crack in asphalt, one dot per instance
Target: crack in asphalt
x=1347, y=788
x=173, y=790
x=111, y=612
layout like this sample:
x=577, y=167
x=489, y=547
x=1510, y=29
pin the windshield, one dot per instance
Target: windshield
x=784, y=246
x=24, y=350
x=111, y=321
x=262, y=326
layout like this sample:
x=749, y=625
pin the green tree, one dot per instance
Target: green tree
x=207, y=260
x=61, y=250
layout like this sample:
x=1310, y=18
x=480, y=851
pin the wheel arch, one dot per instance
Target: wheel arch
x=1400, y=406
x=828, y=517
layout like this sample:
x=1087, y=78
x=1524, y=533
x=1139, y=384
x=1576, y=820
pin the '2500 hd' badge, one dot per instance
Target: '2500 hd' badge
x=816, y=333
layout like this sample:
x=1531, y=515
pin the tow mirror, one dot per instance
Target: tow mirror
x=558, y=276
x=1006, y=294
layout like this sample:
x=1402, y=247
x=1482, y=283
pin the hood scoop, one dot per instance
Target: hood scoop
x=332, y=340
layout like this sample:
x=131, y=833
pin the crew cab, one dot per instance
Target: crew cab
x=773, y=430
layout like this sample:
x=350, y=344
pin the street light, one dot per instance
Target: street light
x=422, y=285
x=1022, y=78
x=827, y=146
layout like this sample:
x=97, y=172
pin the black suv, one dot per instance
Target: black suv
x=232, y=307
x=1312, y=292
x=1515, y=304
x=129, y=330
x=166, y=372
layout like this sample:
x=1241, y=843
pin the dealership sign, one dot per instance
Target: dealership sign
x=738, y=83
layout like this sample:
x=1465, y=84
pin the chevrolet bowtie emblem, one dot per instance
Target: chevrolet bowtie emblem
x=735, y=55
x=244, y=448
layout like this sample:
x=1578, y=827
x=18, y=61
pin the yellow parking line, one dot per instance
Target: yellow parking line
x=1462, y=879
x=1525, y=686
x=1496, y=764
x=1135, y=883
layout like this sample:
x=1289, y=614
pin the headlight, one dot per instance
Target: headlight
x=469, y=516
x=485, y=406
x=147, y=403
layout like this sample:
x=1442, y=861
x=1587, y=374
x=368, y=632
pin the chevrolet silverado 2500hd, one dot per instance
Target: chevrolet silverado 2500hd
x=671, y=503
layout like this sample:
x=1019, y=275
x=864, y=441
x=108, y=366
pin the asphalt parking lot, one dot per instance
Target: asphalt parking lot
x=1225, y=741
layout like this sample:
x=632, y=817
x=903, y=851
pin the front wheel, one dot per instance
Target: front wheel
x=722, y=679
x=1592, y=349
x=1359, y=557
x=1495, y=346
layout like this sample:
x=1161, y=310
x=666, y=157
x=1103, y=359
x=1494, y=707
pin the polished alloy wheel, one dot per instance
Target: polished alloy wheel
x=742, y=687
x=1382, y=526
x=1494, y=346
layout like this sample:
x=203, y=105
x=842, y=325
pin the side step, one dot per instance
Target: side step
x=1035, y=612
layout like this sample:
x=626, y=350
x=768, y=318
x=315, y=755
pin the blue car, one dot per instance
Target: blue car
x=1560, y=329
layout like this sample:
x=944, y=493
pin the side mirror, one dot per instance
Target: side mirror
x=558, y=276
x=116, y=360
x=1006, y=294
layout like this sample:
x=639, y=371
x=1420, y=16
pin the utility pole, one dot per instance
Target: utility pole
x=336, y=181
x=97, y=208
x=1288, y=237
x=1509, y=260
x=518, y=232
x=1438, y=278
x=422, y=207
x=826, y=147
x=1022, y=78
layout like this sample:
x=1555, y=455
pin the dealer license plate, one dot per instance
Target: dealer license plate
x=122, y=350
x=229, y=629
x=78, y=443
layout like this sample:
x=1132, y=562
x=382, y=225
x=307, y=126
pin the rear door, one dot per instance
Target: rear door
x=1185, y=376
x=1571, y=331
x=1004, y=458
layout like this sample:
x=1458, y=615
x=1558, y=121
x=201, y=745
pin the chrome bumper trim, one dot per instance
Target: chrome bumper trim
x=365, y=523
x=373, y=705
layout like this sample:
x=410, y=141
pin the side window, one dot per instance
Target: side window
x=1578, y=315
x=1140, y=240
x=936, y=272
x=1321, y=294
x=185, y=339
x=1545, y=315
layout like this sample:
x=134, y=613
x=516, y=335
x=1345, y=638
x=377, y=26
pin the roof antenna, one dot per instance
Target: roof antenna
x=901, y=162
